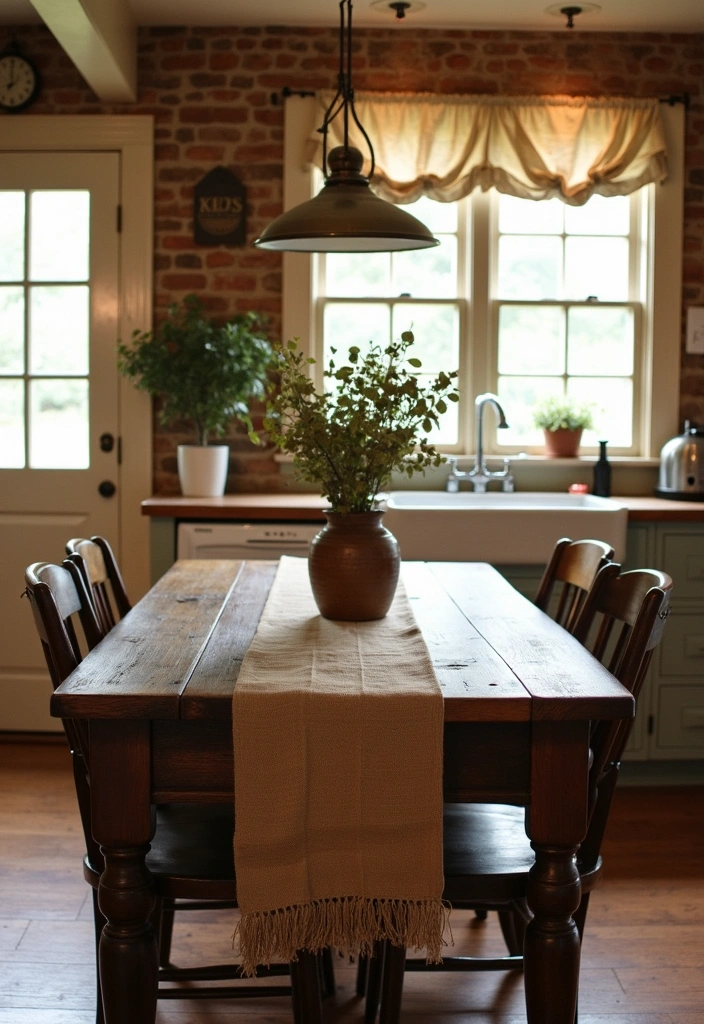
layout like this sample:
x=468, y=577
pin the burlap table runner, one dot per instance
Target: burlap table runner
x=338, y=781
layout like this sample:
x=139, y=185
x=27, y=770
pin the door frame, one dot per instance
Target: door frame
x=133, y=138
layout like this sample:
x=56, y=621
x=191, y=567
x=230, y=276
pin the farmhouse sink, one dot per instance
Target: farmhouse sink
x=505, y=529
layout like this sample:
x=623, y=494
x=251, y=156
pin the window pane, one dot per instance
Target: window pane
x=529, y=267
x=59, y=236
x=601, y=215
x=436, y=330
x=596, y=266
x=58, y=330
x=11, y=236
x=349, y=324
x=58, y=434
x=600, y=340
x=447, y=432
x=611, y=399
x=531, y=339
x=438, y=217
x=11, y=330
x=12, y=424
x=525, y=216
x=518, y=396
x=427, y=273
x=358, y=273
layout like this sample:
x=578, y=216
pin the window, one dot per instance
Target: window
x=526, y=298
x=44, y=295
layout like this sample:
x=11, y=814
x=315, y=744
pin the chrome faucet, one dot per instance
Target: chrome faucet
x=479, y=476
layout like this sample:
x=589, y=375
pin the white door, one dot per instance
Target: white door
x=59, y=470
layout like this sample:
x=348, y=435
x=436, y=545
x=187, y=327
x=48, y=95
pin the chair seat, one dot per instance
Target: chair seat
x=194, y=844
x=486, y=853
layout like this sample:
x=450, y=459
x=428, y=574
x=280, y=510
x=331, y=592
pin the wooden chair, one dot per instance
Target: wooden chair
x=191, y=855
x=573, y=564
x=487, y=855
x=102, y=576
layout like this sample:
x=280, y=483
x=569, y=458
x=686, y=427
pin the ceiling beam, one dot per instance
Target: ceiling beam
x=100, y=37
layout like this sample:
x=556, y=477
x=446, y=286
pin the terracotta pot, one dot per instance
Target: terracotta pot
x=562, y=444
x=354, y=564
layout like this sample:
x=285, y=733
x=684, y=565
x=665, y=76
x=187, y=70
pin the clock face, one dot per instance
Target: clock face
x=19, y=82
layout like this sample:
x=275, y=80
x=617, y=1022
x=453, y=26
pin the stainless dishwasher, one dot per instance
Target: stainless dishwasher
x=244, y=540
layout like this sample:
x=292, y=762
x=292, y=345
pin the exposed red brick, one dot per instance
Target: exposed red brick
x=234, y=282
x=220, y=258
x=185, y=282
x=207, y=115
x=205, y=153
x=224, y=61
x=177, y=241
x=184, y=62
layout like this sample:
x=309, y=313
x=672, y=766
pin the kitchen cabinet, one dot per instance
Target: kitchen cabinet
x=669, y=725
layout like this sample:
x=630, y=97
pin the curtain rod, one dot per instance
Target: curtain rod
x=684, y=99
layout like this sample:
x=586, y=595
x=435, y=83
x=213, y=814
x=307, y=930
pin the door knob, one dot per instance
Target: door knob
x=106, y=488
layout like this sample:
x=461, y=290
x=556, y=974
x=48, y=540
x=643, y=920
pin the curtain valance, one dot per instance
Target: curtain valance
x=529, y=147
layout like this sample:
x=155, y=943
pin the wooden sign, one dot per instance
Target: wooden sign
x=219, y=208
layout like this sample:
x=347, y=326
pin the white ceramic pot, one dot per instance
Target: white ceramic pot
x=202, y=469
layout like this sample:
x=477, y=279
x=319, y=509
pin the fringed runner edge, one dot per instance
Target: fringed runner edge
x=351, y=923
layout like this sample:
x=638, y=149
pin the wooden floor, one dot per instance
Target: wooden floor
x=643, y=955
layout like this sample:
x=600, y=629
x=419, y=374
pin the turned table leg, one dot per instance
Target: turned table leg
x=556, y=825
x=121, y=819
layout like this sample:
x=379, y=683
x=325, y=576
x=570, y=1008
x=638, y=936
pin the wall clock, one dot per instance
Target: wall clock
x=19, y=81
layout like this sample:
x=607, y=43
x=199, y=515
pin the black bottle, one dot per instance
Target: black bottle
x=602, y=473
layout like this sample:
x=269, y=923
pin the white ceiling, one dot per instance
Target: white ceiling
x=614, y=15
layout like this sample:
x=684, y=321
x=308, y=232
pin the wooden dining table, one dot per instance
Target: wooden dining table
x=519, y=695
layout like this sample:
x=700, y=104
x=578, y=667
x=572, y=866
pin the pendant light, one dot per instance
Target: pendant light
x=345, y=216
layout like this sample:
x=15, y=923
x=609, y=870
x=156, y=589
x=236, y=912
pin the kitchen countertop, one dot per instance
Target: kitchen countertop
x=308, y=507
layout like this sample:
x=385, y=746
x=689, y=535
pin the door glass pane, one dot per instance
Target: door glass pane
x=349, y=324
x=12, y=330
x=12, y=454
x=600, y=340
x=11, y=236
x=59, y=238
x=529, y=267
x=58, y=428
x=531, y=339
x=59, y=329
x=436, y=332
x=596, y=266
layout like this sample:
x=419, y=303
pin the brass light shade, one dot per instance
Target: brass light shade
x=345, y=216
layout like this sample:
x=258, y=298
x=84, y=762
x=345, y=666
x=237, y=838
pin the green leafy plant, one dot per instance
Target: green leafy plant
x=557, y=412
x=373, y=419
x=203, y=371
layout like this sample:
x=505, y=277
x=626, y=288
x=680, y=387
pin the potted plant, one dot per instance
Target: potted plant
x=372, y=418
x=562, y=421
x=205, y=373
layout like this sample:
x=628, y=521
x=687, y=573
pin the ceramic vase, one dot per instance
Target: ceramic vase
x=562, y=444
x=354, y=565
x=202, y=469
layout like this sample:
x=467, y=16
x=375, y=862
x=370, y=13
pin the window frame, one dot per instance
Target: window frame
x=656, y=397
